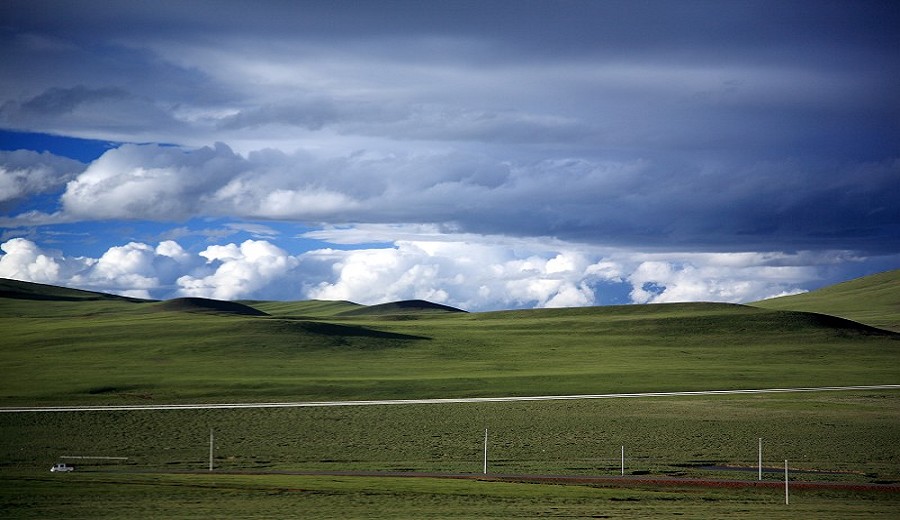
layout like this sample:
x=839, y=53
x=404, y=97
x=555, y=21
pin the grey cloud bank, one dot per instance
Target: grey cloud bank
x=774, y=204
x=621, y=130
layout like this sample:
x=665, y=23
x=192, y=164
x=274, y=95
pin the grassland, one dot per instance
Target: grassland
x=850, y=432
x=873, y=300
x=847, y=437
x=83, y=348
x=114, y=350
x=276, y=496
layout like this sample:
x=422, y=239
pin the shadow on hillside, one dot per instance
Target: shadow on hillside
x=71, y=296
x=840, y=325
x=205, y=305
x=335, y=330
x=405, y=309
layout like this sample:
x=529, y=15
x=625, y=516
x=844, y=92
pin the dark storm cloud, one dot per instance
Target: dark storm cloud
x=771, y=31
x=64, y=100
x=782, y=206
x=311, y=115
x=692, y=125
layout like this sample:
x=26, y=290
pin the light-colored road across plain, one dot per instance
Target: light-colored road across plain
x=383, y=402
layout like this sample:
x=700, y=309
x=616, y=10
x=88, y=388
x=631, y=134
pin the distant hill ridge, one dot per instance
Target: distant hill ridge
x=401, y=307
x=873, y=300
x=206, y=305
x=201, y=350
x=20, y=290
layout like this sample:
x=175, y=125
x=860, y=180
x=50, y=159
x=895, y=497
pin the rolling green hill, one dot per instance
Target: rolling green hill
x=405, y=308
x=312, y=308
x=205, y=305
x=18, y=290
x=873, y=300
x=28, y=299
x=60, y=346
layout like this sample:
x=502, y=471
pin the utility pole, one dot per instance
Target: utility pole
x=623, y=460
x=760, y=458
x=212, y=440
x=786, y=499
x=485, y=450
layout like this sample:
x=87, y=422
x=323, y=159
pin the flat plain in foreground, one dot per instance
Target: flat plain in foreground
x=286, y=496
x=838, y=437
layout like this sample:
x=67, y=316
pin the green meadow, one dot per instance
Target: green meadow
x=846, y=436
x=874, y=300
x=164, y=496
x=276, y=496
x=837, y=437
x=65, y=347
x=111, y=350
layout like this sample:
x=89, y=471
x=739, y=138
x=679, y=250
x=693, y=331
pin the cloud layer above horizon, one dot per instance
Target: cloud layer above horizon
x=479, y=154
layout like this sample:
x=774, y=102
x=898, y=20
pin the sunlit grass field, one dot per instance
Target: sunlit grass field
x=77, y=348
x=874, y=300
x=135, y=353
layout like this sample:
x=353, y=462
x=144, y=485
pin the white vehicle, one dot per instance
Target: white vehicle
x=61, y=467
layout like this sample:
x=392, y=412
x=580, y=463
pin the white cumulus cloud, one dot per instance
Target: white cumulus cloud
x=469, y=271
x=128, y=266
x=255, y=268
x=468, y=274
x=135, y=269
x=24, y=260
x=150, y=181
x=720, y=277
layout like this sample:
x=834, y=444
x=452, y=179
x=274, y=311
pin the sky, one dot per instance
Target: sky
x=481, y=154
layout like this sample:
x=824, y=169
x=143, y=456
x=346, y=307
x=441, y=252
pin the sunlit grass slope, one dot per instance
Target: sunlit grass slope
x=406, y=307
x=873, y=300
x=119, y=350
x=18, y=290
x=311, y=308
x=33, y=299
